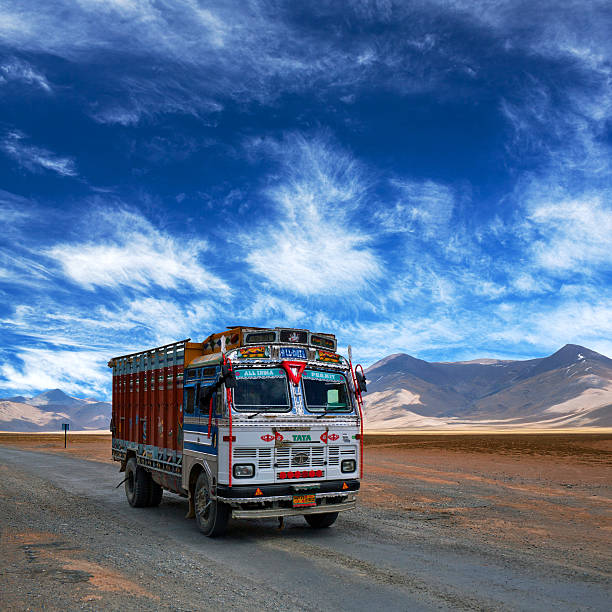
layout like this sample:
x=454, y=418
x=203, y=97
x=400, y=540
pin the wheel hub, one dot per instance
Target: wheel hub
x=202, y=503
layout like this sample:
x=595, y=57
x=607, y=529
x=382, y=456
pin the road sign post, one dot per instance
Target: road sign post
x=65, y=427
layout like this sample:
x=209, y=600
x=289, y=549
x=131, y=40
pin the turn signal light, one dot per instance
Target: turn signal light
x=227, y=438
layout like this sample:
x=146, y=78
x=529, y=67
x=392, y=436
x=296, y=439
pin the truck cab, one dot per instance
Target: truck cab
x=276, y=425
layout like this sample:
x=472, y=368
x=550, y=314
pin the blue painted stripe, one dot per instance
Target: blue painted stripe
x=202, y=448
x=198, y=428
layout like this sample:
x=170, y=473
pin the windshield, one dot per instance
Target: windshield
x=261, y=390
x=325, y=392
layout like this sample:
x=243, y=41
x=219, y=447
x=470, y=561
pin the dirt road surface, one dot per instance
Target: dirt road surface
x=442, y=525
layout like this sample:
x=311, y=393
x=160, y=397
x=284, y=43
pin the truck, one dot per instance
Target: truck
x=250, y=423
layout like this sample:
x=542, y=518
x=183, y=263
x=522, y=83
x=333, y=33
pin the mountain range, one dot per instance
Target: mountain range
x=47, y=411
x=570, y=388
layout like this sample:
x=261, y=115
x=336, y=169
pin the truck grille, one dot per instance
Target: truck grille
x=336, y=451
x=300, y=456
x=263, y=456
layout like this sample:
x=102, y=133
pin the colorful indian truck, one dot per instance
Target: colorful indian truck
x=249, y=423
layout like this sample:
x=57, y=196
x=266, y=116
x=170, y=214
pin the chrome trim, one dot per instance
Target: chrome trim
x=275, y=512
x=247, y=500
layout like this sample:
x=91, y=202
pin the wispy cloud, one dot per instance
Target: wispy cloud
x=424, y=206
x=19, y=70
x=74, y=371
x=117, y=327
x=585, y=320
x=311, y=245
x=126, y=250
x=14, y=209
x=572, y=235
x=233, y=50
x=36, y=159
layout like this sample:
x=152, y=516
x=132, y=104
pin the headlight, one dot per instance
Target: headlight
x=348, y=465
x=244, y=470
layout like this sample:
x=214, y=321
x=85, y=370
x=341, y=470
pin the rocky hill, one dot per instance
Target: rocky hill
x=571, y=388
x=47, y=411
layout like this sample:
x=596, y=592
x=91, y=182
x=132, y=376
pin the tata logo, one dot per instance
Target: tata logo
x=300, y=459
x=267, y=438
x=301, y=437
x=333, y=437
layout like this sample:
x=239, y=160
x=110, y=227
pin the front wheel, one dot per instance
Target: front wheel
x=211, y=515
x=320, y=521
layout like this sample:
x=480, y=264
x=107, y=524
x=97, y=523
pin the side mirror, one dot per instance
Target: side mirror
x=228, y=376
x=361, y=381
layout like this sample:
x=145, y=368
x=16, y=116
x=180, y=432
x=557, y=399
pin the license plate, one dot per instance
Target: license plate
x=292, y=353
x=303, y=501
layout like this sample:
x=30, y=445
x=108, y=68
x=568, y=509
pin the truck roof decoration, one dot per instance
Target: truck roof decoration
x=236, y=337
x=253, y=343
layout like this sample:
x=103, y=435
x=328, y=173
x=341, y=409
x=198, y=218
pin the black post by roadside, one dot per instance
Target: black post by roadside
x=65, y=428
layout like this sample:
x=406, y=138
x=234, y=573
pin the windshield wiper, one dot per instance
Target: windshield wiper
x=256, y=413
x=328, y=410
x=320, y=416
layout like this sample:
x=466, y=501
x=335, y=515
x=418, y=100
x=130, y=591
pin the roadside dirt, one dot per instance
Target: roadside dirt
x=448, y=522
x=95, y=447
x=548, y=493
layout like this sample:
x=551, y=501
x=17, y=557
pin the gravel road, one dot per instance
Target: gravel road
x=70, y=541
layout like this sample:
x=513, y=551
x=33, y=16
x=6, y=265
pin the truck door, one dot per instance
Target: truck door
x=207, y=399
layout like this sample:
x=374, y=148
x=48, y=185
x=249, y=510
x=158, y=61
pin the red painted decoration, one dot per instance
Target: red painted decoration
x=278, y=436
x=333, y=437
x=294, y=370
x=324, y=437
x=267, y=438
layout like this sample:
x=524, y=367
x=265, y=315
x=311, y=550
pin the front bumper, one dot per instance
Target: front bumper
x=249, y=491
x=252, y=501
x=275, y=512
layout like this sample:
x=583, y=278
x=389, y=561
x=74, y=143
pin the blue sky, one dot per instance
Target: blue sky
x=425, y=177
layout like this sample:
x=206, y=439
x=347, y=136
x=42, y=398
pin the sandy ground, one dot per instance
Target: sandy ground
x=445, y=522
x=549, y=490
x=95, y=447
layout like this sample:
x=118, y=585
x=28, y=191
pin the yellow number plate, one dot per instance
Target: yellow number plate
x=303, y=501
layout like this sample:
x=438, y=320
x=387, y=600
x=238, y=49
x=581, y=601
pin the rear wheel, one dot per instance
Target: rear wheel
x=156, y=494
x=211, y=515
x=137, y=484
x=320, y=521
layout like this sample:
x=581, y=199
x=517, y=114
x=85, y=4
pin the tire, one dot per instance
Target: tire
x=321, y=521
x=211, y=516
x=137, y=484
x=156, y=494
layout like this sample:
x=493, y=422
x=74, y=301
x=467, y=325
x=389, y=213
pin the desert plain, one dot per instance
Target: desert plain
x=506, y=506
